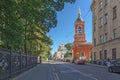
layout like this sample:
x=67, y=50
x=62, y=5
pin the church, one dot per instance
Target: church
x=81, y=49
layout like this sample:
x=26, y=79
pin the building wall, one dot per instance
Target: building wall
x=105, y=30
x=86, y=49
x=61, y=52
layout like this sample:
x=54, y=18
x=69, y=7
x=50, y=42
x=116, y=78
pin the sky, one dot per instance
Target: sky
x=64, y=31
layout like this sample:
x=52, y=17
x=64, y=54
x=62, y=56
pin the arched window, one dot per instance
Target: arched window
x=79, y=30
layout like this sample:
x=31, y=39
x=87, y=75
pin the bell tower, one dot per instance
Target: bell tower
x=79, y=36
x=81, y=49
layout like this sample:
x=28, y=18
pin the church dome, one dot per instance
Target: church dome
x=79, y=20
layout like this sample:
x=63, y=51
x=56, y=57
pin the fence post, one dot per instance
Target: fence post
x=20, y=61
x=26, y=61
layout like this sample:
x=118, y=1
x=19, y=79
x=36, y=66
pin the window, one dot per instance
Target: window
x=106, y=37
x=105, y=18
x=105, y=2
x=101, y=22
x=114, y=12
x=114, y=33
x=94, y=29
x=79, y=30
x=94, y=42
x=101, y=39
x=114, y=53
x=100, y=5
x=105, y=54
x=100, y=54
x=93, y=15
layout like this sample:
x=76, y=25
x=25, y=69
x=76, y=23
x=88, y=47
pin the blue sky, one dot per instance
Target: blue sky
x=64, y=31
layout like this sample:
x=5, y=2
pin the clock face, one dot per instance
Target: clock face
x=79, y=29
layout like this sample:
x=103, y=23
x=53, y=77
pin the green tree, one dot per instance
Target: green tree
x=69, y=50
x=69, y=46
x=10, y=25
x=68, y=54
x=24, y=24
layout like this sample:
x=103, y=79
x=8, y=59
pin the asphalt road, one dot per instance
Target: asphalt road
x=66, y=71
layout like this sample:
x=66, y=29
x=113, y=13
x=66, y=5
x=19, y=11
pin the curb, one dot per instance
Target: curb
x=105, y=67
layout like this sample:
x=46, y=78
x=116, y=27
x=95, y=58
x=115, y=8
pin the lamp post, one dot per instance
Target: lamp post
x=9, y=47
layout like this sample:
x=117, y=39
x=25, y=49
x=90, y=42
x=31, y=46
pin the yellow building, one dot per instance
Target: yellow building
x=106, y=29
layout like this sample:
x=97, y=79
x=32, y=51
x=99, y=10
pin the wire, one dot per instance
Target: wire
x=86, y=14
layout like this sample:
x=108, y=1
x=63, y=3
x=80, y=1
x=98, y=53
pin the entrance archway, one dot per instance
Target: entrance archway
x=82, y=56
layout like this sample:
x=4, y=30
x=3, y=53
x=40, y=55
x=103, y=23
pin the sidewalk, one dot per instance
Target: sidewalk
x=40, y=72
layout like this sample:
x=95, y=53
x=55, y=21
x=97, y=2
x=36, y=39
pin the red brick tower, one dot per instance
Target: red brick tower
x=81, y=49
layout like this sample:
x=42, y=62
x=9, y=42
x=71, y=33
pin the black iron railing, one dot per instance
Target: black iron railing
x=12, y=63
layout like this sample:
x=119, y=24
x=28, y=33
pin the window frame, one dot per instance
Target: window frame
x=114, y=12
x=79, y=29
x=100, y=5
x=114, y=53
x=101, y=21
x=105, y=18
x=106, y=37
x=114, y=34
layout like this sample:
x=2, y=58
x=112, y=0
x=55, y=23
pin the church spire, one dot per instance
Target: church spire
x=79, y=12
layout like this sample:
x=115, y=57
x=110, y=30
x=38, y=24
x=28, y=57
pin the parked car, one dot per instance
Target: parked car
x=67, y=59
x=78, y=61
x=114, y=66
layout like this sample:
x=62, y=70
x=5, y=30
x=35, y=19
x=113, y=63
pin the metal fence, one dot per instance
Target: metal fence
x=12, y=63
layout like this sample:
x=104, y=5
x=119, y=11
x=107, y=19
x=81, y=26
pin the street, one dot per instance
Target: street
x=67, y=71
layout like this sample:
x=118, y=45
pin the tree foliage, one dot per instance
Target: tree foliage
x=68, y=55
x=69, y=46
x=69, y=50
x=24, y=24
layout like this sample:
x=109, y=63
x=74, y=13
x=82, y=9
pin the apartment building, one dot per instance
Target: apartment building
x=105, y=29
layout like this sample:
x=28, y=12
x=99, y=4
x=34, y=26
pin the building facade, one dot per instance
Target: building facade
x=81, y=49
x=59, y=55
x=106, y=29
